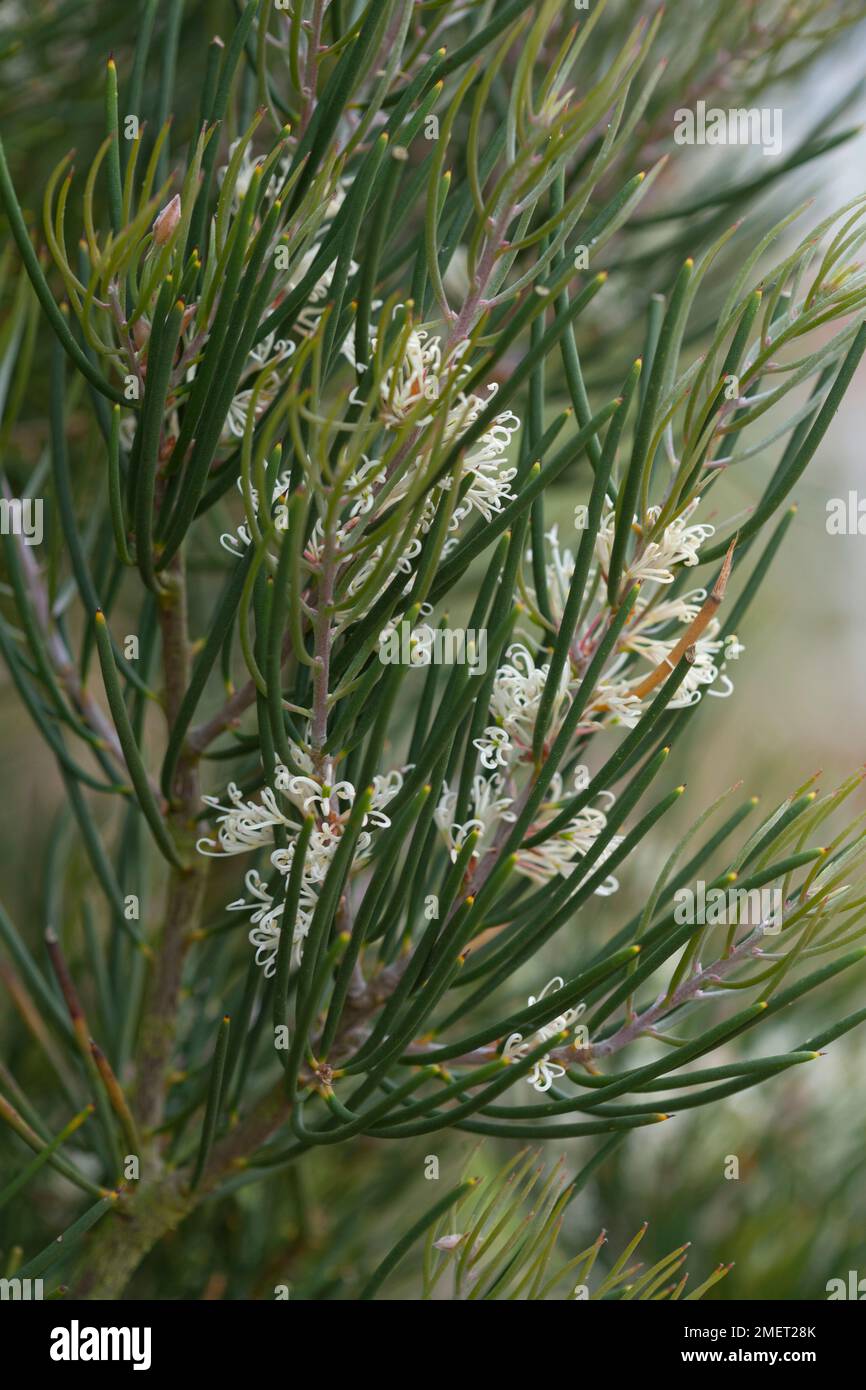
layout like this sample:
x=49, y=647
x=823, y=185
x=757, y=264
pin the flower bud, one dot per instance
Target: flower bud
x=166, y=221
x=141, y=333
x=448, y=1242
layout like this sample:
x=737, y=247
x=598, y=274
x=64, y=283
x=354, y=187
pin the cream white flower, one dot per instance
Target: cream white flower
x=236, y=542
x=308, y=316
x=733, y=647
x=265, y=357
x=516, y=695
x=243, y=825
x=489, y=487
x=679, y=544
x=703, y=671
x=613, y=702
x=488, y=807
x=495, y=748
x=423, y=377
x=560, y=854
x=414, y=379
x=559, y=570
x=544, y=1072
x=652, y=614
x=250, y=825
x=484, y=482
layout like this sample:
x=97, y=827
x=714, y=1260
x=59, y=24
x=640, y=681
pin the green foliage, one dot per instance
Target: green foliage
x=504, y=1251
x=336, y=316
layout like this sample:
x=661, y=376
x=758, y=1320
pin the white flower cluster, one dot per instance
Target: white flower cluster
x=483, y=482
x=679, y=544
x=262, y=362
x=236, y=542
x=514, y=702
x=648, y=633
x=559, y=855
x=245, y=826
x=544, y=1072
x=519, y=686
x=420, y=376
x=562, y=852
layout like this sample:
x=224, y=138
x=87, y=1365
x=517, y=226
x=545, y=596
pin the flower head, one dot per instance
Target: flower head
x=516, y=696
x=250, y=825
x=544, y=1072
x=679, y=544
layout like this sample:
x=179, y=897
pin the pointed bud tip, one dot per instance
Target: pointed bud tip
x=166, y=221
